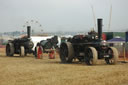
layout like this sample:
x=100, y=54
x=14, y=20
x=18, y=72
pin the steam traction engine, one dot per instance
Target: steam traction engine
x=88, y=48
x=20, y=46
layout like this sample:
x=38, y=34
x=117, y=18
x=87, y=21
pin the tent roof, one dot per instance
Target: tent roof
x=116, y=40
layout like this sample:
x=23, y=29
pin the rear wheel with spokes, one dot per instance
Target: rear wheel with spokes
x=9, y=49
x=66, y=52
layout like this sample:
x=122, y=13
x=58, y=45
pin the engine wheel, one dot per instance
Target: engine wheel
x=66, y=52
x=91, y=56
x=22, y=51
x=113, y=53
x=9, y=49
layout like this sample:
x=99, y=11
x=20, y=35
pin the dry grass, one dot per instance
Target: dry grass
x=31, y=71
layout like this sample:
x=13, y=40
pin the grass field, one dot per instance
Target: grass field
x=30, y=71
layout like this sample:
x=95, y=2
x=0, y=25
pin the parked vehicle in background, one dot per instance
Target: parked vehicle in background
x=21, y=46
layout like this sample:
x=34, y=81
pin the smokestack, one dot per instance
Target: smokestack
x=28, y=31
x=99, y=29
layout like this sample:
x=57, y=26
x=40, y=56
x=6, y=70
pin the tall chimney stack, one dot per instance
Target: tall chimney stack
x=99, y=29
x=28, y=31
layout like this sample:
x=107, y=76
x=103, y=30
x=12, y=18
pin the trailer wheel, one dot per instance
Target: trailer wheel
x=66, y=52
x=22, y=51
x=52, y=54
x=91, y=56
x=9, y=49
x=113, y=53
x=36, y=51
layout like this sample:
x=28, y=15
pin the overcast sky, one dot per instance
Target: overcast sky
x=62, y=15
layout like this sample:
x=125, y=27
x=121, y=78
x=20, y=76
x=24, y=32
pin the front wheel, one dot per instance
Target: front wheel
x=113, y=56
x=22, y=51
x=91, y=56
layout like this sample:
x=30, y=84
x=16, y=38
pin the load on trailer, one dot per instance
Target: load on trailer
x=20, y=46
x=88, y=48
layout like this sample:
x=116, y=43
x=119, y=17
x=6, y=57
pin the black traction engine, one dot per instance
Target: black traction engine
x=88, y=48
x=20, y=46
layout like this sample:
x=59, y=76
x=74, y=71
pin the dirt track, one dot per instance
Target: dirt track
x=30, y=71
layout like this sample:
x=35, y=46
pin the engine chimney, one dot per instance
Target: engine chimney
x=28, y=31
x=99, y=29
